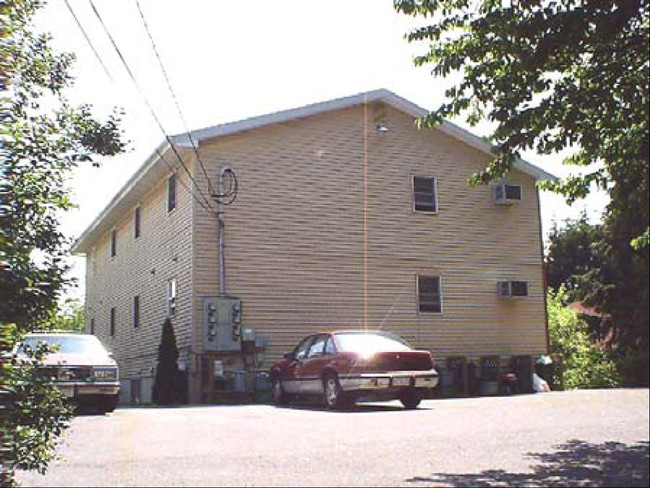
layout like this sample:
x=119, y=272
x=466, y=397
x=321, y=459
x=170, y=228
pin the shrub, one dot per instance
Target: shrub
x=585, y=365
x=169, y=384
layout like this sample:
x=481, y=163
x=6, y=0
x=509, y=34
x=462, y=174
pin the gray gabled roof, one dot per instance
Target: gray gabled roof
x=152, y=169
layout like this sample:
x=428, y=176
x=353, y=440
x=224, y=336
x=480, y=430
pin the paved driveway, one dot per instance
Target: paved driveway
x=554, y=439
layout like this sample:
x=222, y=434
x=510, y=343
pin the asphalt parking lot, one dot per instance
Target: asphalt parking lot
x=580, y=438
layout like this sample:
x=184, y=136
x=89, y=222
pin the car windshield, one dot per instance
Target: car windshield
x=81, y=344
x=366, y=343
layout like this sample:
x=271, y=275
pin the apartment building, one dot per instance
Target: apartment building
x=346, y=216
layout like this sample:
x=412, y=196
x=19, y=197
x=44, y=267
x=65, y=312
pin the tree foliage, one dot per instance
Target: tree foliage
x=168, y=387
x=552, y=76
x=595, y=268
x=43, y=137
x=571, y=255
x=563, y=75
x=584, y=364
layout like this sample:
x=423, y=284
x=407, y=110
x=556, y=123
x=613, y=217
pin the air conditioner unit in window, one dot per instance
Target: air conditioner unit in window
x=513, y=289
x=505, y=194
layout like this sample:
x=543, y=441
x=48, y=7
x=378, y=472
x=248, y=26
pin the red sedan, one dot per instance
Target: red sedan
x=343, y=367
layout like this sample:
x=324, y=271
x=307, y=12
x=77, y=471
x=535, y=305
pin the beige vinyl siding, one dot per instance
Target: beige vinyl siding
x=294, y=237
x=142, y=267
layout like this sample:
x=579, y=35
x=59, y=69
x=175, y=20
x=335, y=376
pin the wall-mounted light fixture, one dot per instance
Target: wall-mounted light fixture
x=381, y=127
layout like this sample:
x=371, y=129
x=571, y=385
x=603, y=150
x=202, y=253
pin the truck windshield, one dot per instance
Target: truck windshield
x=370, y=343
x=81, y=344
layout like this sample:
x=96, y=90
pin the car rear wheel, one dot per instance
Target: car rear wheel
x=279, y=396
x=109, y=403
x=410, y=398
x=334, y=396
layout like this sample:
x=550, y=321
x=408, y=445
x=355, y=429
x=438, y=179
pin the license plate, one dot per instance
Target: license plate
x=68, y=392
x=401, y=381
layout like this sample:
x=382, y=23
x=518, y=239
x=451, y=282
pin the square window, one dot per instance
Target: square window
x=429, y=294
x=425, y=195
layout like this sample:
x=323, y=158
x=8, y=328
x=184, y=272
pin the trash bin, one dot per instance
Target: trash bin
x=456, y=366
x=472, y=379
x=489, y=383
x=262, y=387
x=238, y=380
x=522, y=366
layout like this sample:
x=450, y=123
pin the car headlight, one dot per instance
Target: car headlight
x=103, y=374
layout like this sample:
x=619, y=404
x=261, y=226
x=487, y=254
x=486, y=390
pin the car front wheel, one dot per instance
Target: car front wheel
x=279, y=396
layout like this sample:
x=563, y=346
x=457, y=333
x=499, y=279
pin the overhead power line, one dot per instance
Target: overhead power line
x=171, y=91
x=92, y=47
x=148, y=104
x=110, y=77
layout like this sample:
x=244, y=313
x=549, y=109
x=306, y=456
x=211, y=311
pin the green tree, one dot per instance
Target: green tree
x=168, y=387
x=551, y=76
x=597, y=269
x=68, y=317
x=584, y=364
x=571, y=254
x=43, y=138
x=567, y=75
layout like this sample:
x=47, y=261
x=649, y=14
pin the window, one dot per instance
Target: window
x=330, y=348
x=425, y=195
x=367, y=343
x=112, y=322
x=301, y=350
x=429, y=294
x=92, y=326
x=136, y=311
x=93, y=261
x=505, y=194
x=113, y=243
x=513, y=288
x=171, y=193
x=136, y=222
x=318, y=347
x=171, y=297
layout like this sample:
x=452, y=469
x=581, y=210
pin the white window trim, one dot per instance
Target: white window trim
x=417, y=294
x=435, y=190
x=172, y=300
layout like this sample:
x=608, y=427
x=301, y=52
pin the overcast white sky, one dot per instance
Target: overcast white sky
x=229, y=60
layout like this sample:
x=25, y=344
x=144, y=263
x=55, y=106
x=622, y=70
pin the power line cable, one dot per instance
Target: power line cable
x=108, y=74
x=148, y=104
x=171, y=91
x=92, y=47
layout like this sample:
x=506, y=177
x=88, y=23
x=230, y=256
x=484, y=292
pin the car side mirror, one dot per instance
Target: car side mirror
x=288, y=355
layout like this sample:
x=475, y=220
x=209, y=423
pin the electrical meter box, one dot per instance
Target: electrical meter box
x=222, y=324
